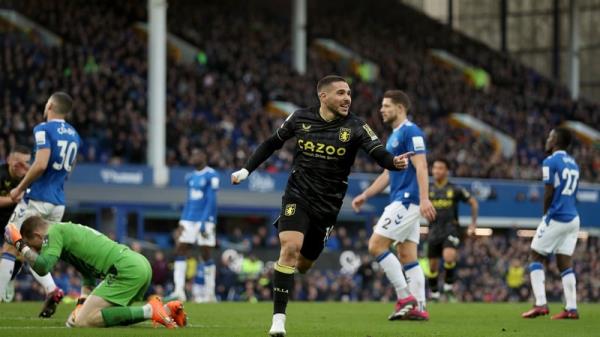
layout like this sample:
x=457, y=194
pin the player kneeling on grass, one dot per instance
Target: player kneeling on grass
x=125, y=274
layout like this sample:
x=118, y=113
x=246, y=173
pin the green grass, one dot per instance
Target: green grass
x=319, y=319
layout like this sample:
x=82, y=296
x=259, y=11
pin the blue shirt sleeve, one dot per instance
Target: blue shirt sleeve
x=414, y=140
x=548, y=171
x=214, y=182
x=42, y=137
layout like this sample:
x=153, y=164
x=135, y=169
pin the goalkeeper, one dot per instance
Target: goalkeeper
x=125, y=274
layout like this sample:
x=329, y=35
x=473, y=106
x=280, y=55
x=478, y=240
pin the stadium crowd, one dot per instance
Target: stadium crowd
x=218, y=103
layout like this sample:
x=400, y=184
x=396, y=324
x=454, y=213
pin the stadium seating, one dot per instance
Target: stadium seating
x=218, y=104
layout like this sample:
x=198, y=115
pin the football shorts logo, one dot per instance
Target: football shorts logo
x=290, y=209
x=453, y=239
x=344, y=134
x=306, y=127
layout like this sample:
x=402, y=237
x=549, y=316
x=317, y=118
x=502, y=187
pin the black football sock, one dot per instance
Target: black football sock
x=432, y=280
x=450, y=268
x=283, y=282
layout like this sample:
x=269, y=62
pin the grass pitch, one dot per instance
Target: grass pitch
x=319, y=320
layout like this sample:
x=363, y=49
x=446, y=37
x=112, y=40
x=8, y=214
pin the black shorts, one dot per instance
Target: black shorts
x=435, y=246
x=316, y=228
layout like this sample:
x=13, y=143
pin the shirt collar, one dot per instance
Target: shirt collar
x=401, y=125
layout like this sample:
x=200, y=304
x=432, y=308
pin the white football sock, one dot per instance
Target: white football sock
x=537, y=277
x=210, y=271
x=148, y=310
x=416, y=282
x=7, y=265
x=570, y=289
x=198, y=288
x=393, y=270
x=179, y=274
x=46, y=281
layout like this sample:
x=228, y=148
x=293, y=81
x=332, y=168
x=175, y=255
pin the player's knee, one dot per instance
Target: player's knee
x=377, y=245
x=407, y=257
x=290, y=251
x=181, y=249
x=450, y=256
x=537, y=257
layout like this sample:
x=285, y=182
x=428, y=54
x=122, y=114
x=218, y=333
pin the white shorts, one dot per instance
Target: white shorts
x=556, y=237
x=399, y=223
x=48, y=211
x=192, y=233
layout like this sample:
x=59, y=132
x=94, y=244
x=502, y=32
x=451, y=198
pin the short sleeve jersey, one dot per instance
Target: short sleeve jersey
x=403, y=184
x=201, y=202
x=561, y=171
x=63, y=141
x=445, y=199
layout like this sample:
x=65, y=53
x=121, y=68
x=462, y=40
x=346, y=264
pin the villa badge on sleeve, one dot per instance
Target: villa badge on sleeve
x=290, y=209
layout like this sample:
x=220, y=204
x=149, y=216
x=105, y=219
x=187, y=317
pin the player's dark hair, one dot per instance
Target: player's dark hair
x=444, y=161
x=20, y=149
x=563, y=137
x=30, y=225
x=64, y=102
x=327, y=80
x=398, y=97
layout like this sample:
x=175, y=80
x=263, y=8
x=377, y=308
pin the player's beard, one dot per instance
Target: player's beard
x=336, y=110
x=391, y=119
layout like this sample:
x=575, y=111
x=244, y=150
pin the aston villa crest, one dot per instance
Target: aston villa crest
x=290, y=209
x=344, y=134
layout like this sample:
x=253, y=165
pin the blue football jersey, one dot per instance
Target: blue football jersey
x=403, y=184
x=63, y=141
x=561, y=171
x=201, y=203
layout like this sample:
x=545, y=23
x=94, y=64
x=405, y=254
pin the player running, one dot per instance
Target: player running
x=11, y=173
x=444, y=234
x=399, y=222
x=56, y=143
x=557, y=233
x=197, y=226
x=328, y=138
x=125, y=274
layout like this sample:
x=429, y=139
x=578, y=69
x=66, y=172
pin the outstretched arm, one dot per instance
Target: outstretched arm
x=262, y=153
x=388, y=161
x=375, y=188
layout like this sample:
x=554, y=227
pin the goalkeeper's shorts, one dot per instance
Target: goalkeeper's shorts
x=127, y=281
